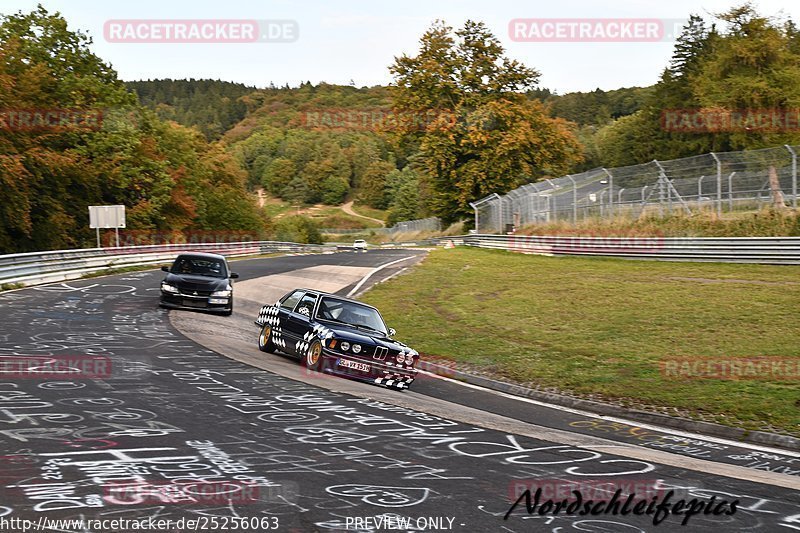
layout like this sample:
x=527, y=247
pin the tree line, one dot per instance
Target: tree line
x=461, y=120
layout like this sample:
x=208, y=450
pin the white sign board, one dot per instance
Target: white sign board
x=106, y=216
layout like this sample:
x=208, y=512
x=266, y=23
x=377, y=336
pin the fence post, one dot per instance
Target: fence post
x=551, y=208
x=794, y=175
x=662, y=177
x=500, y=215
x=699, y=190
x=610, y=192
x=475, y=208
x=719, y=184
x=730, y=191
x=574, y=200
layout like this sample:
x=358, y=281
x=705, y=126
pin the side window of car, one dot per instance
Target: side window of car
x=306, y=305
x=290, y=301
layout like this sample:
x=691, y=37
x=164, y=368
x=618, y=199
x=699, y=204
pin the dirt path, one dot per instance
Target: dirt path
x=348, y=208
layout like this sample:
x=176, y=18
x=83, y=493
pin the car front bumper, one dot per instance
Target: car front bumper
x=194, y=303
x=379, y=373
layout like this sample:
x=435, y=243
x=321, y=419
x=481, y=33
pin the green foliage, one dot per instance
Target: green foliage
x=212, y=106
x=753, y=63
x=404, y=196
x=168, y=176
x=298, y=229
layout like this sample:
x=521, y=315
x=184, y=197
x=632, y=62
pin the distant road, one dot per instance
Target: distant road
x=348, y=208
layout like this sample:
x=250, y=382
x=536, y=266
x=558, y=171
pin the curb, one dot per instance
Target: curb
x=685, y=424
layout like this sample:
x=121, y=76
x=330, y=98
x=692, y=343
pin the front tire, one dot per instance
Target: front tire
x=265, y=340
x=313, y=357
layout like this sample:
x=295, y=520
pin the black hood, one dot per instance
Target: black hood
x=189, y=282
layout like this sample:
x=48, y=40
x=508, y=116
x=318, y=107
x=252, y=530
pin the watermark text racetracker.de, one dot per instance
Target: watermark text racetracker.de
x=717, y=120
x=50, y=119
x=202, y=523
x=594, y=30
x=201, y=31
x=55, y=367
x=732, y=368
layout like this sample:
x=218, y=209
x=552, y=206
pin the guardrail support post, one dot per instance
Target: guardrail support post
x=794, y=175
x=719, y=184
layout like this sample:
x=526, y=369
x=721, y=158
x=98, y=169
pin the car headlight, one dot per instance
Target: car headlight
x=166, y=287
x=344, y=346
x=221, y=294
x=356, y=348
x=401, y=357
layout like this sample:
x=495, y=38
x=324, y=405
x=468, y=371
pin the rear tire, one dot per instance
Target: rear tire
x=313, y=357
x=265, y=340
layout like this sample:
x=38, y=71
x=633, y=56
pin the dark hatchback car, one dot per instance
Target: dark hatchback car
x=198, y=281
x=336, y=335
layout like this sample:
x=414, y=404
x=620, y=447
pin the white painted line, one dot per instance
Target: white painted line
x=671, y=431
x=373, y=271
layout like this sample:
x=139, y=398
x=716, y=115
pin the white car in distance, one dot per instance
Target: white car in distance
x=360, y=245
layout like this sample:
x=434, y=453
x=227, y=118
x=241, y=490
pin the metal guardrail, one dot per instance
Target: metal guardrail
x=46, y=267
x=767, y=250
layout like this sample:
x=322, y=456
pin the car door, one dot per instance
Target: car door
x=298, y=322
x=286, y=306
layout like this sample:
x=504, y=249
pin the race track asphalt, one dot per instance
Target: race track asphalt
x=177, y=415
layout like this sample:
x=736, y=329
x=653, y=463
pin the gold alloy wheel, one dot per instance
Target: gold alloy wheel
x=263, y=338
x=314, y=351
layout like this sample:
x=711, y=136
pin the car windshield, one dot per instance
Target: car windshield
x=351, y=313
x=200, y=266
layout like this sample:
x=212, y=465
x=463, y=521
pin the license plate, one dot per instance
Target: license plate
x=362, y=367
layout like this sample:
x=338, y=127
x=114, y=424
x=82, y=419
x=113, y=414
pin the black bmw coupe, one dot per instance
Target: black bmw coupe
x=198, y=281
x=336, y=335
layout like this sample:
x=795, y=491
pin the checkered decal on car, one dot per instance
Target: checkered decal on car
x=268, y=315
x=322, y=332
x=317, y=332
x=398, y=381
x=277, y=337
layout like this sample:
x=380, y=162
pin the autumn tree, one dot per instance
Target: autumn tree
x=485, y=136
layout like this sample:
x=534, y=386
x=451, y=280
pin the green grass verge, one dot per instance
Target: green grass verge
x=600, y=327
x=762, y=223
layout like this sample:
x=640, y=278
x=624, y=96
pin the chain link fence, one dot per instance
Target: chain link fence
x=719, y=182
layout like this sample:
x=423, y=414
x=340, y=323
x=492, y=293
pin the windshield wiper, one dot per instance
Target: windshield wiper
x=352, y=325
x=369, y=328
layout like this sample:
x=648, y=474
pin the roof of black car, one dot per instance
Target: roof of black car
x=206, y=255
x=323, y=293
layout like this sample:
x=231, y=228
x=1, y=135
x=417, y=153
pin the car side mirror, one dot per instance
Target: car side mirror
x=234, y=275
x=392, y=332
x=165, y=269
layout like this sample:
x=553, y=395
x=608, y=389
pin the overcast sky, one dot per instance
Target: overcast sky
x=356, y=40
